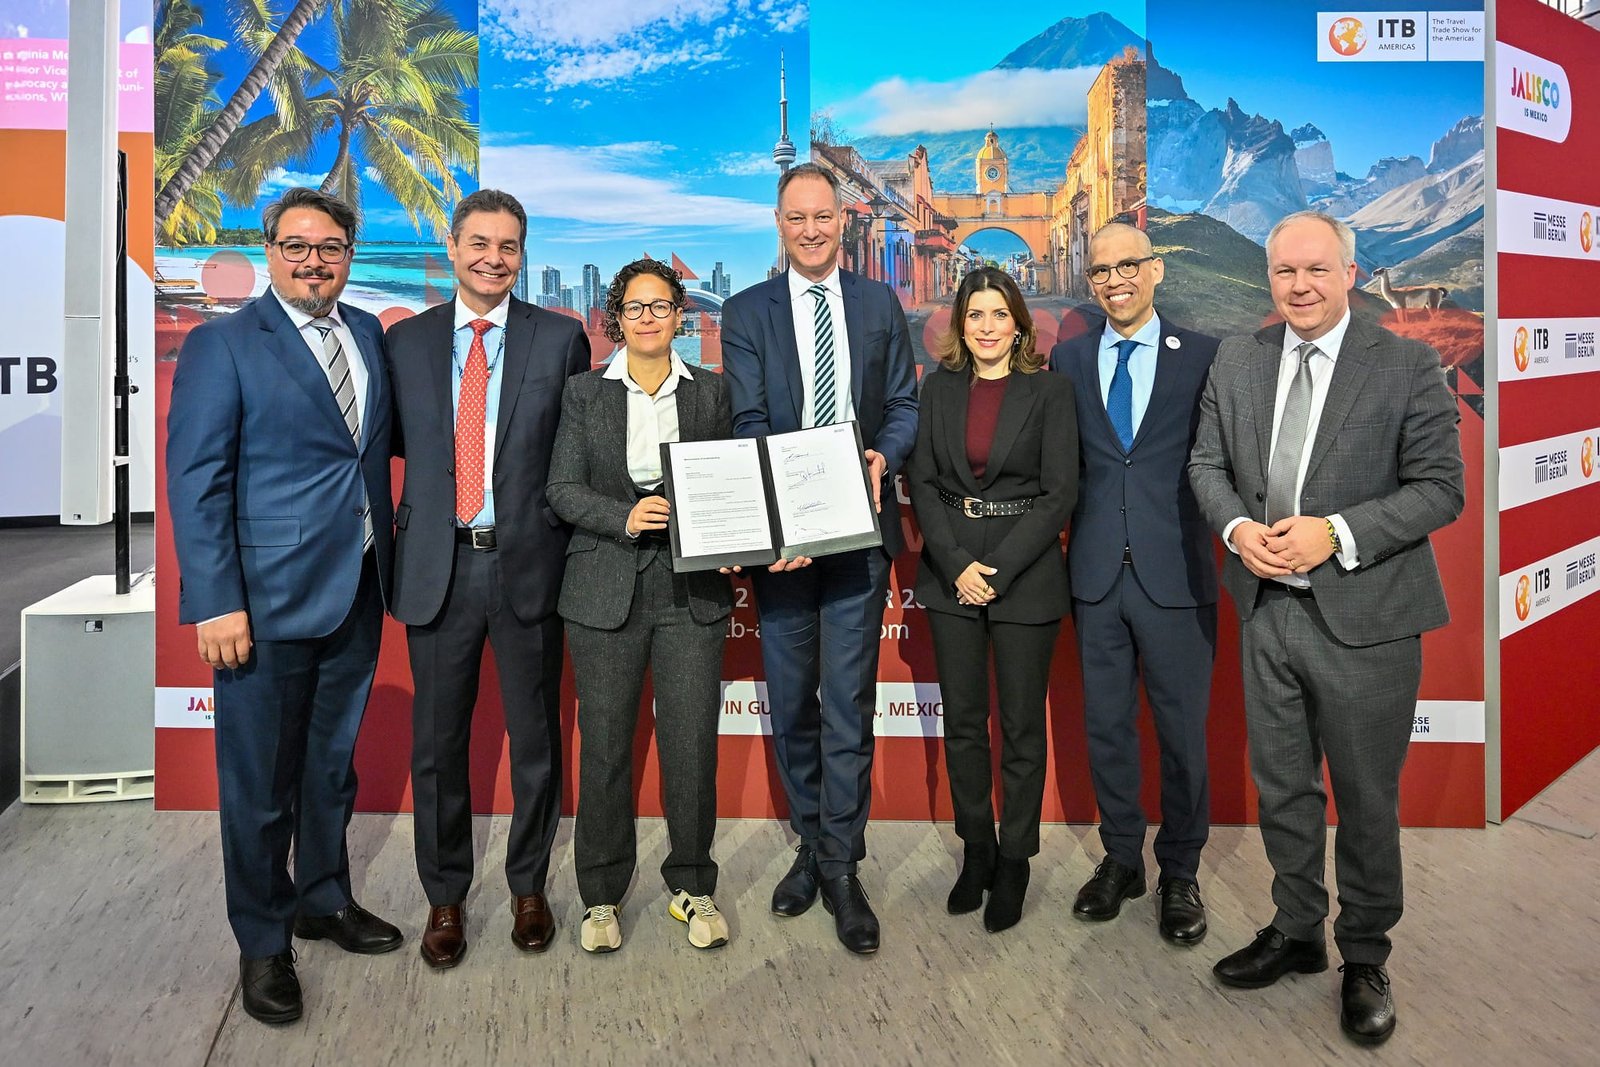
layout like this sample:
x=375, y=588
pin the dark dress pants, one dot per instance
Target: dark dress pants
x=446, y=656
x=1022, y=653
x=1122, y=637
x=820, y=627
x=286, y=725
x=1306, y=696
x=685, y=662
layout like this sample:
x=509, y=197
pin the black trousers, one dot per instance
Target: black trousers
x=1022, y=652
x=446, y=656
x=685, y=662
x=1122, y=637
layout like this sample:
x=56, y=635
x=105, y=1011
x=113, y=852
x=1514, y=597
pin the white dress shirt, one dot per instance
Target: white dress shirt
x=652, y=420
x=352, y=351
x=804, y=306
x=1322, y=363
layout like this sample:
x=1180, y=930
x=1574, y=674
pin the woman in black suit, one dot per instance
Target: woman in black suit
x=994, y=477
x=625, y=609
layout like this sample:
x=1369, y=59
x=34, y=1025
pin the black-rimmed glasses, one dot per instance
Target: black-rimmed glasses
x=299, y=251
x=659, y=309
x=1101, y=274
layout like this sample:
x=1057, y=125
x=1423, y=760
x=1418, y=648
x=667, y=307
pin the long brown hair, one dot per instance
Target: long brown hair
x=951, y=347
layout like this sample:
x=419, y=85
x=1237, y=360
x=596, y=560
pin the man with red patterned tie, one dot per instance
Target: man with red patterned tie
x=477, y=387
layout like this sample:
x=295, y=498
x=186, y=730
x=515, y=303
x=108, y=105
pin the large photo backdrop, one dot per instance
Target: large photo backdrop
x=646, y=129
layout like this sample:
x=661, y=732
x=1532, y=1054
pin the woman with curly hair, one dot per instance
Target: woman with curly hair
x=625, y=609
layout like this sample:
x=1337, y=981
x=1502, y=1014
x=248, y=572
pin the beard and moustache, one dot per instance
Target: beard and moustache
x=315, y=306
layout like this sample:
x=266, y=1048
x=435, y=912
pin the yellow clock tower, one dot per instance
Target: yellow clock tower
x=991, y=165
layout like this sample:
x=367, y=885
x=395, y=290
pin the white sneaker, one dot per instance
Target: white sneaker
x=602, y=928
x=707, y=927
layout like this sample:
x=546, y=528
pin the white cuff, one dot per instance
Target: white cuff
x=1227, y=533
x=1348, y=555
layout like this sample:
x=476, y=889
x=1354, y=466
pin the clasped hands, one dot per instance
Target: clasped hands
x=972, y=586
x=1293, y=545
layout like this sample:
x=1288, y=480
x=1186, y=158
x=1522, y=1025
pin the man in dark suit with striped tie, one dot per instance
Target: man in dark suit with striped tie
x=278, y=484
x=812, y=346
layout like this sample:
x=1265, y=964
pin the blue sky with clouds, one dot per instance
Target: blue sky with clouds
x=1263, y=53
x=944, y=81
x=635, y=126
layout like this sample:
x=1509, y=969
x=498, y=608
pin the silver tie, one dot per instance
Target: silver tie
x=1284, y=471
x=824, y=389
x=336, y=365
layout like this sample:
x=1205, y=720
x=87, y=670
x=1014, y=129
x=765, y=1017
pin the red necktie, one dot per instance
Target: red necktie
x=470, y=421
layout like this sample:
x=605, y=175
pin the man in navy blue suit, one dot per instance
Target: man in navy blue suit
x=278, y=484
x=813, y=346
x=1144, y=579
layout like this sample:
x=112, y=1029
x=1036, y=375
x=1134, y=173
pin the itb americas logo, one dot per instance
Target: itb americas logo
x=1347, y=36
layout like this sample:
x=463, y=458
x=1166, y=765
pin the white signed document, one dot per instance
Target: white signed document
x=719, y=501
x=819, y=489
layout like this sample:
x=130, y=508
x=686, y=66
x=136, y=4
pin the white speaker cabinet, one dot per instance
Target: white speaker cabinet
x=88, y=694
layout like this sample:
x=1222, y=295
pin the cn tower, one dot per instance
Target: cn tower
x=783, y=152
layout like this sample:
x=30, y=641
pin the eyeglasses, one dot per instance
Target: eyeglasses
x=298, y=251
x=659, y=309
x=1126, y=269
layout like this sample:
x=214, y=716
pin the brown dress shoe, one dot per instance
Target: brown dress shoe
x=532, y=924
x=444, y=942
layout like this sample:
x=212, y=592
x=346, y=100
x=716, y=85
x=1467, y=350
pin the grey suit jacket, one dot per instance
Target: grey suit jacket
x=1387, y=458
x=590, y=487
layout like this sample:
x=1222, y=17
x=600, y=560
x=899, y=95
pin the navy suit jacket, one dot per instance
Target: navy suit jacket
x=762, y=363
x=1140, y=497
x=542, y=350
x=264, y=482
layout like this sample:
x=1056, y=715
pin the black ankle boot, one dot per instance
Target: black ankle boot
x=977, y=872
x=1006, y=894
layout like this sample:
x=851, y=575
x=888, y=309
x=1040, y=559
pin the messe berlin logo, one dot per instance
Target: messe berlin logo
x=1519, y=348
x=1586, y=456
x=1524, y=599
x=1347, y=36
x=1586, y=231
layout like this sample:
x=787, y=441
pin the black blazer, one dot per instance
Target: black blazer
x=1140, y=497
x=542, y=350
x=591, y=488
x=1034, y=454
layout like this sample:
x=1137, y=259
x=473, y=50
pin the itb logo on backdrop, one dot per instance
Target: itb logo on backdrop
x=1533, y=94
x=1371, y=36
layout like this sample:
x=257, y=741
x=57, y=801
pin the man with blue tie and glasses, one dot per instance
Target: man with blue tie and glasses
x=1144, y=579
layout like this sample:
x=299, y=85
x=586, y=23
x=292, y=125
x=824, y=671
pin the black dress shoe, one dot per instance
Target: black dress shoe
x=271, y=992
x=1268, y=958
x=1183, y=916
x=1366, y=1009
x=853, y=920
x=353, y=928
x=1101, y=896
x=1005, y=898
x=797, y=890
x=977, y=873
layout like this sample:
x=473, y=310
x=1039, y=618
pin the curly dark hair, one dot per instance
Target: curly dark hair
x=950, y=347
x=619, y=288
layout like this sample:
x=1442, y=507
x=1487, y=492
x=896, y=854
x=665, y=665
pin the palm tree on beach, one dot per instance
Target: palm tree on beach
x=185, y=100
x=394, y=96
x=251, y=16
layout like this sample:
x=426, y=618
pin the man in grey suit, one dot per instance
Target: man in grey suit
x=1326, y=454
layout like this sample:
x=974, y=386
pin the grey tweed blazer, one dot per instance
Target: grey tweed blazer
x=1387, y=458
x=589, y=487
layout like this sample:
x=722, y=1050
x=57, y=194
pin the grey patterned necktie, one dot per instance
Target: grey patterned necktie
x=824, y=389
x=336, y=365
x=1282, y=500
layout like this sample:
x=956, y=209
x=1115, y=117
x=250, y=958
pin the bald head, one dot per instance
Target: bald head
x=1123, y=273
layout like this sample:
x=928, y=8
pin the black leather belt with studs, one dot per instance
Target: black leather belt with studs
x=973, y=508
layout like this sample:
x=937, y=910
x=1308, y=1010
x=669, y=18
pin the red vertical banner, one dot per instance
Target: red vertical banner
x=1545, y=88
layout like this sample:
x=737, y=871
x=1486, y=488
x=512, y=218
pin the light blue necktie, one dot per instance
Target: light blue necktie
x=1119, y=399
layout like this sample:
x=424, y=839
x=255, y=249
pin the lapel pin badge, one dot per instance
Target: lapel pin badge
x=1173, y=342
